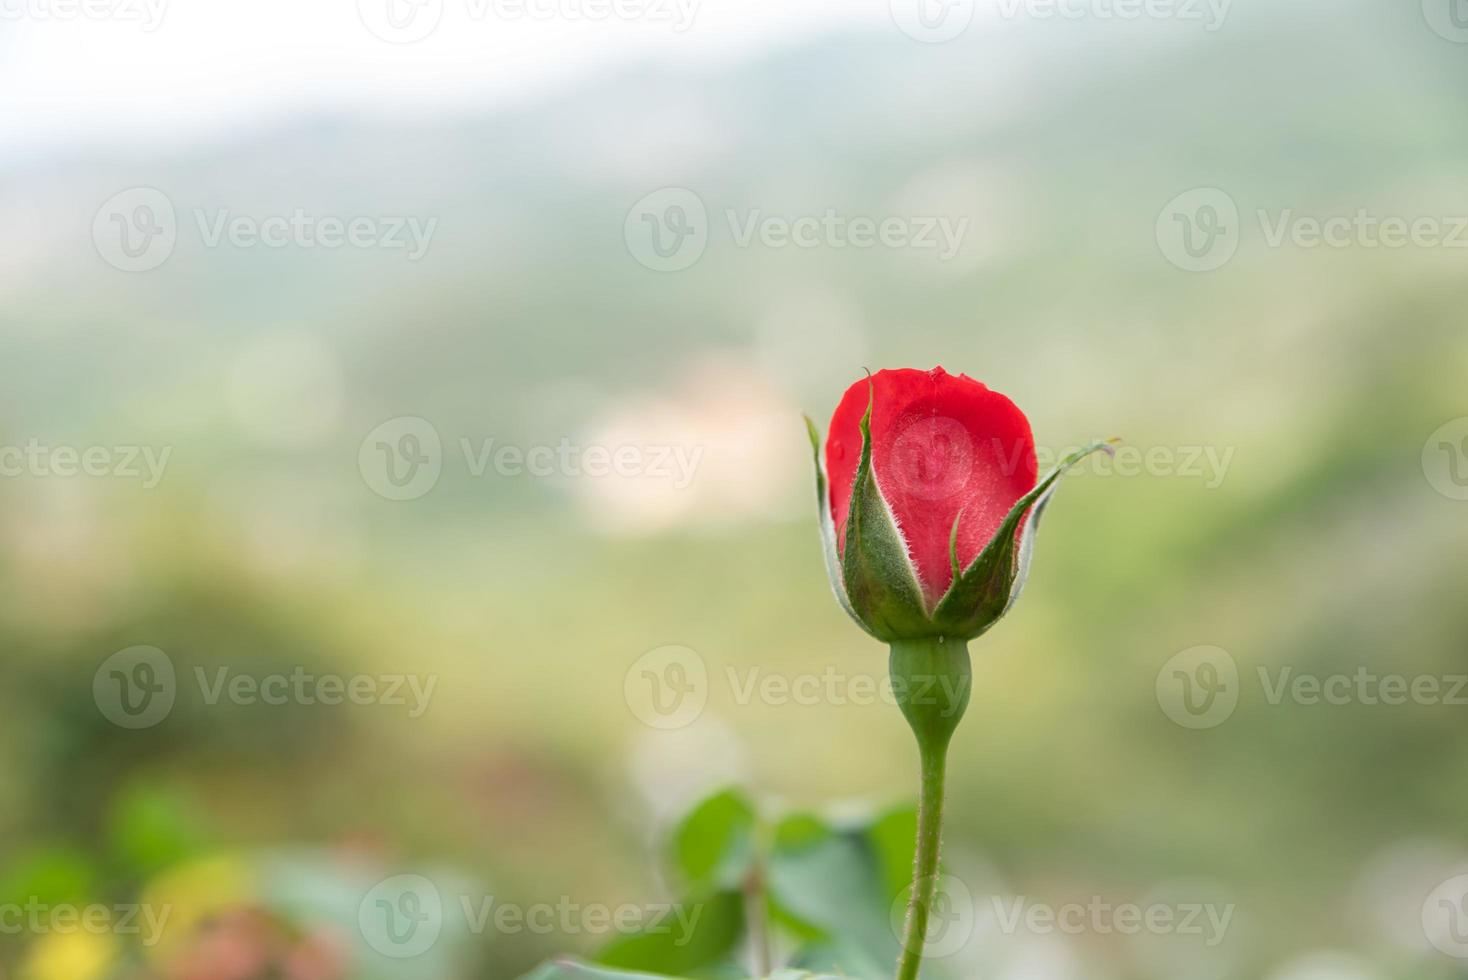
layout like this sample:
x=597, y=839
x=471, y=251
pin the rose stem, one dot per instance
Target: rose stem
x=931, y=678
x=759, y=929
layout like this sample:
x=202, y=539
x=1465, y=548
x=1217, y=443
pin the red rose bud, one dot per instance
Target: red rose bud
x=929, y=503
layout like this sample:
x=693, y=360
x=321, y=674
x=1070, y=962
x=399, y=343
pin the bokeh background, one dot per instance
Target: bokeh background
x=1296, y=501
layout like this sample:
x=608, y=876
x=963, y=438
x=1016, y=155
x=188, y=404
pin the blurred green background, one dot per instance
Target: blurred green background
x=1330, y=541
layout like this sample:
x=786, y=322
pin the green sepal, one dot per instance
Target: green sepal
x=877, y=570
x=828, y=526
x=991, y=585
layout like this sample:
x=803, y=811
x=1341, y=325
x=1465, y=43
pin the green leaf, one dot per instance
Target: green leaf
x=840, y=958
x=880, y=579
x=830, y=880
x=714, y=845
x=576, y=970
x=990, y=586
x=697, y=934
x=893, y=837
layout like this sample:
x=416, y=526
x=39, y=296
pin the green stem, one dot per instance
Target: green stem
x=925, y=863
x=931, y=678
x=755, y=906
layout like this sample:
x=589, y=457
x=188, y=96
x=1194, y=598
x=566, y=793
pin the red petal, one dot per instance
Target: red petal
x=940, y=444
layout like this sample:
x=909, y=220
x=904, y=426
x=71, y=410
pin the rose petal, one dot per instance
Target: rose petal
x=941, y=444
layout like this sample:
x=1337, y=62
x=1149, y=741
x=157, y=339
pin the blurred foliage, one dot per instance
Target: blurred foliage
x=833, y=896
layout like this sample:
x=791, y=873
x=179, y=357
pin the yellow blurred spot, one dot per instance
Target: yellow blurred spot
x=194, y=892
x=68, y=956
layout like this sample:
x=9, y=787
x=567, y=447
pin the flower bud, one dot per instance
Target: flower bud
x=929, y=500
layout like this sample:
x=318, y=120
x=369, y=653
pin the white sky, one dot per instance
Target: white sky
x=209, y=66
